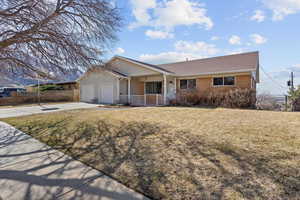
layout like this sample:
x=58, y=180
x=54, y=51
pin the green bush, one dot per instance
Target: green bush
x=294, y=98
x=50, y=87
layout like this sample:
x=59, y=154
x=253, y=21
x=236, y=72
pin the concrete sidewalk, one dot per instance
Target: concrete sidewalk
x=21, y=111
x=30, y=169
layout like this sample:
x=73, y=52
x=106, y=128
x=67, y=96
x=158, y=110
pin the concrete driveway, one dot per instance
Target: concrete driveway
x=32, y=170
x=21, y=111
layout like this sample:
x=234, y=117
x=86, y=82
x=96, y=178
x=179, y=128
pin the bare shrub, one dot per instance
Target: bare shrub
x=267, y=102
x=239, y=98
x=236, y=98
x=187, y=98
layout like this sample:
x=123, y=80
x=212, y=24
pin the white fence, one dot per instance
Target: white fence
x=143, y=100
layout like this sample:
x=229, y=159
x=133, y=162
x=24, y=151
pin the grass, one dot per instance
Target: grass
x=182, y=153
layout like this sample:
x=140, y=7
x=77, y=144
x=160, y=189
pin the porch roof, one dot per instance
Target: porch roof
x=143, y=64
x=116, y=73
x=98, y=68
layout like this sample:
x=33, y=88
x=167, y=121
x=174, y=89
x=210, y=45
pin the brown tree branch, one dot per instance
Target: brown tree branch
x=65, y=34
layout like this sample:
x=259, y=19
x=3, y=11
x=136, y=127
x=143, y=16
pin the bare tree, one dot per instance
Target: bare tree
x=266, y=101
x=43, y=36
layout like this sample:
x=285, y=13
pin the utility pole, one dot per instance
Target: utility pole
x=290, y=83
x=292, y=88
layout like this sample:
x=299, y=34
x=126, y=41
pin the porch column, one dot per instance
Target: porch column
x=118, y=90
x=175, y=86
x=129, y=90
x=165, y=89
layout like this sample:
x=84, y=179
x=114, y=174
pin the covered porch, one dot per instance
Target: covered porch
x=147, y=90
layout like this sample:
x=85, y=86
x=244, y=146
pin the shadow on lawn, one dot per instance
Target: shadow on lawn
x=166, y=164
x=38, y=172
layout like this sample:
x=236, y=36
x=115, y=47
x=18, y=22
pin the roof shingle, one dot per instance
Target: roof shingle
x=231, y=63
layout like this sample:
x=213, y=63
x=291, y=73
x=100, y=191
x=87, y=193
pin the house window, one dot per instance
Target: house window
x=153, y=87
x=183, y=84
x=221, y=81
x=188, y=84
x=218, y=81
x=229, y=80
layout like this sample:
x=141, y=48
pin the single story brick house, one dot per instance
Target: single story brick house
x=124, y=80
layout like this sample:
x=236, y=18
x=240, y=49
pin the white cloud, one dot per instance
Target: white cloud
x=258, y=16
x=238, y=16
x=119, y=50
x=183, y=50
x=282, y=8
x=258, y=39
x=296, y=68
x=196, y=47
x=182, y=12
x=140, y=11
x=214, y=38
x=159, y=34
x=235, y=40
x=169, y=14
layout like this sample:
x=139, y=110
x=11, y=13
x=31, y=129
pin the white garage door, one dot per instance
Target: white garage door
x=87, y=93
x=107, y=94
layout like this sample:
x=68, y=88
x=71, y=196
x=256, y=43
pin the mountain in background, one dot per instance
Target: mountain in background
x=19, y=79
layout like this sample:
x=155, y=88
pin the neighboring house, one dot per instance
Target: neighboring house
x=65, y=85
x=68, y=85
x=124, y=80
x=8, y=91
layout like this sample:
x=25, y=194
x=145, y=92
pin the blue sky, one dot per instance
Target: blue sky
x=161, y=31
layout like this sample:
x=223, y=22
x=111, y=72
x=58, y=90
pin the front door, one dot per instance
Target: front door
x=171, y=90
x=152, y=91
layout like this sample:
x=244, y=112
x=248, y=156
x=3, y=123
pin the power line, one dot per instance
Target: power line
x=271, y=78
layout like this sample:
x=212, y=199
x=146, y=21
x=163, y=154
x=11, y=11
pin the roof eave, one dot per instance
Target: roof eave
x=257, y=72
x=111, y=72
x=116, y=74
x=140, y=64
x=213, y=73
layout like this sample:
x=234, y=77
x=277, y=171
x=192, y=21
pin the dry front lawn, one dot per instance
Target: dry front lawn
x=32, y=104
x=182, y=153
